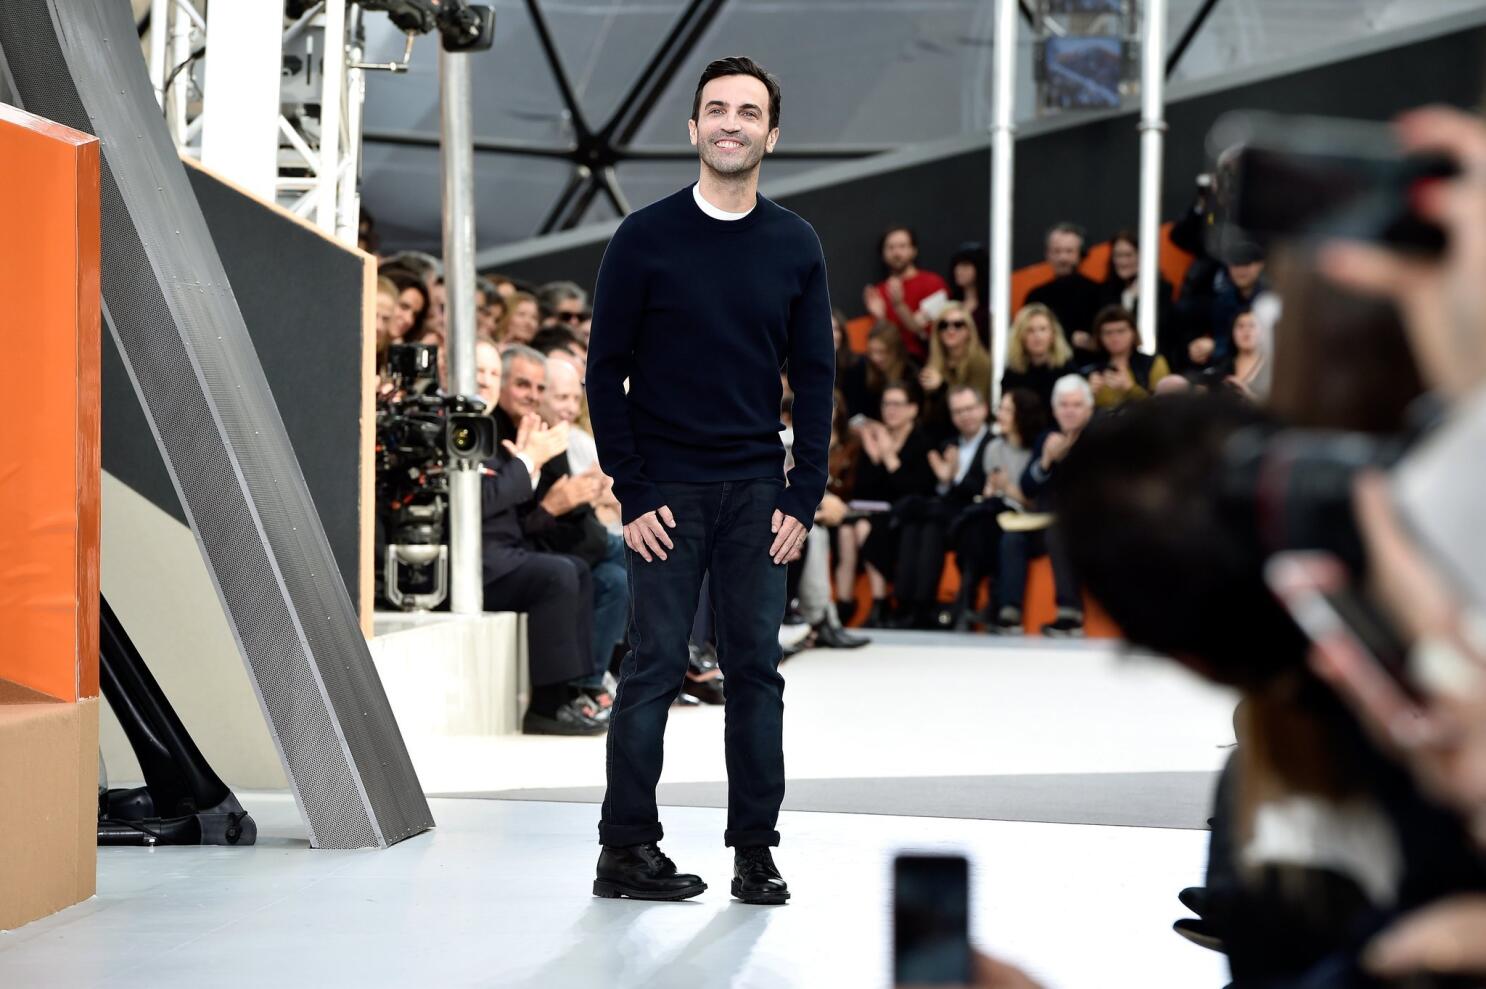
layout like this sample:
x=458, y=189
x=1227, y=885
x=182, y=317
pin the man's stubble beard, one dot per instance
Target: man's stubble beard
x=736, y=173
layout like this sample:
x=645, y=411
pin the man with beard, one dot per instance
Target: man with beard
x=701, y=299
x=1073, y=298
x=908, y=297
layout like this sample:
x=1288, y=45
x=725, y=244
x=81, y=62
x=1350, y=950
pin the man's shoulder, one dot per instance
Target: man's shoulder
x=653, y=215
x=788, y=220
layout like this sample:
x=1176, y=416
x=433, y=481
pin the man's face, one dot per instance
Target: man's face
x=731, y=132
x=487, y=373
x=522, y=387
x=1062, y=252
x=898, y=251
x=569, y=312
x=1246, y=276
x=968, y=413
x=1073, y=410
x=563, y=398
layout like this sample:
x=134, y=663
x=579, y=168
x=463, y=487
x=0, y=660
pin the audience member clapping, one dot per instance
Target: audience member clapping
x=909, y=298
x=975, y=534
x=893, y=466
x=1121, y=373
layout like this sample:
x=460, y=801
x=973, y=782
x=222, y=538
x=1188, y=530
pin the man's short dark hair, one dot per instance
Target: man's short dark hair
x=555, y=338
x=1067, y=227
x=961, y=389
x=739, y=65
x=1147, y=528
x=1114, y=313
x=912, y=235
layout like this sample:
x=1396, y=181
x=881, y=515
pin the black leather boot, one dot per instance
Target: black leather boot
x=755, y=878
x=642, y=872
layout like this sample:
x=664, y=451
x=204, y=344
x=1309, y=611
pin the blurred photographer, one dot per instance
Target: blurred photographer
x=1350, y=804
x=1438, y=729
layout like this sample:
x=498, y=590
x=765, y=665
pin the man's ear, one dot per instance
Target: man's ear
x=691, y=131
x=771, y=140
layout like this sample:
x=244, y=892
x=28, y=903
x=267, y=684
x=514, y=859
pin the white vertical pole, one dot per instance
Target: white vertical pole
x=240, y=112
x=180, y=86
x=348, y=183
x=159, y=35
x=466, y=591
x=1152, y=138
x=1003, y=147
x=332, y=98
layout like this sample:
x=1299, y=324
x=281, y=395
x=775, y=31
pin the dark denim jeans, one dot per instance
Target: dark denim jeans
x=610, y=608
x=721, y=528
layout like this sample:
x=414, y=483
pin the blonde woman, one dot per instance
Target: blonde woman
x=522, y=319
x=1037, y=353
x=956, y=359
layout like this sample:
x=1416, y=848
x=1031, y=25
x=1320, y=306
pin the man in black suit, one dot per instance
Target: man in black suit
x=1073, y=298
x=959, y=469
x=554, y=590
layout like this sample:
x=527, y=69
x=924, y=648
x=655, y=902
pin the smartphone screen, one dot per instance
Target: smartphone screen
x=931, y=920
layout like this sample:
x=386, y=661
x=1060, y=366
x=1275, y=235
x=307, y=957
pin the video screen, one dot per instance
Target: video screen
x=1062, y=7
x=1082, y=73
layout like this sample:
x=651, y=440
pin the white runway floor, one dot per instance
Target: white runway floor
x=498, y=894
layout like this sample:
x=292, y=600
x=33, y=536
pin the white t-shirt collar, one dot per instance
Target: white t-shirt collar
x=713, y=211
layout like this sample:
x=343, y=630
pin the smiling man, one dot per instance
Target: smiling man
x=701, y=299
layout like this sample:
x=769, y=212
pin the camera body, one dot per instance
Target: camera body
x=421, y=434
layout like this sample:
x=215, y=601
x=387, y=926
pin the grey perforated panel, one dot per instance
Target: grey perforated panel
x=171, y=311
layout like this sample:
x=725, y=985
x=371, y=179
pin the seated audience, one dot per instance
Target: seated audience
x=490, y=306
x=562, y=304
x=969, y=285
x=1121, y=287
x=1239, y=285
x=893, y=465
x=886, y=361
x=1037, y=353
x=956, y=359
x=1247, y=369
x=975, y=534
x=908, y=298
x=561, y=402
x=522, y=319
x=412, y=304
x=923, y=522
x=555, y=591
x=1122, y=373
x=386, y=320
x=1073, y=298
x=1073, y=408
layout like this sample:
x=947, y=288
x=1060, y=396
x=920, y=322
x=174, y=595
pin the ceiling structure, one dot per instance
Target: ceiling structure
x=580, y=108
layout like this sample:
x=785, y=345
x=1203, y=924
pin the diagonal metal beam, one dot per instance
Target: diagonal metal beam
x=580, y=177
x=419, y=139
x=1185, y=41
x=609, y=182
x=634, y=109
x=801, y=153
x=559, y=73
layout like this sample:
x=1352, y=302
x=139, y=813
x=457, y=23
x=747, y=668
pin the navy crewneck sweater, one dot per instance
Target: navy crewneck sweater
x=701, y=314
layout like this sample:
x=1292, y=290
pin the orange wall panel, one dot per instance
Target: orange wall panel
x=49, y=458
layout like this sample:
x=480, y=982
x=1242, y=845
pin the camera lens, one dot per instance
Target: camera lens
x=463, y=441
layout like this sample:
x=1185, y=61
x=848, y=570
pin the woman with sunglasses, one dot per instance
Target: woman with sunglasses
x=956, y=358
